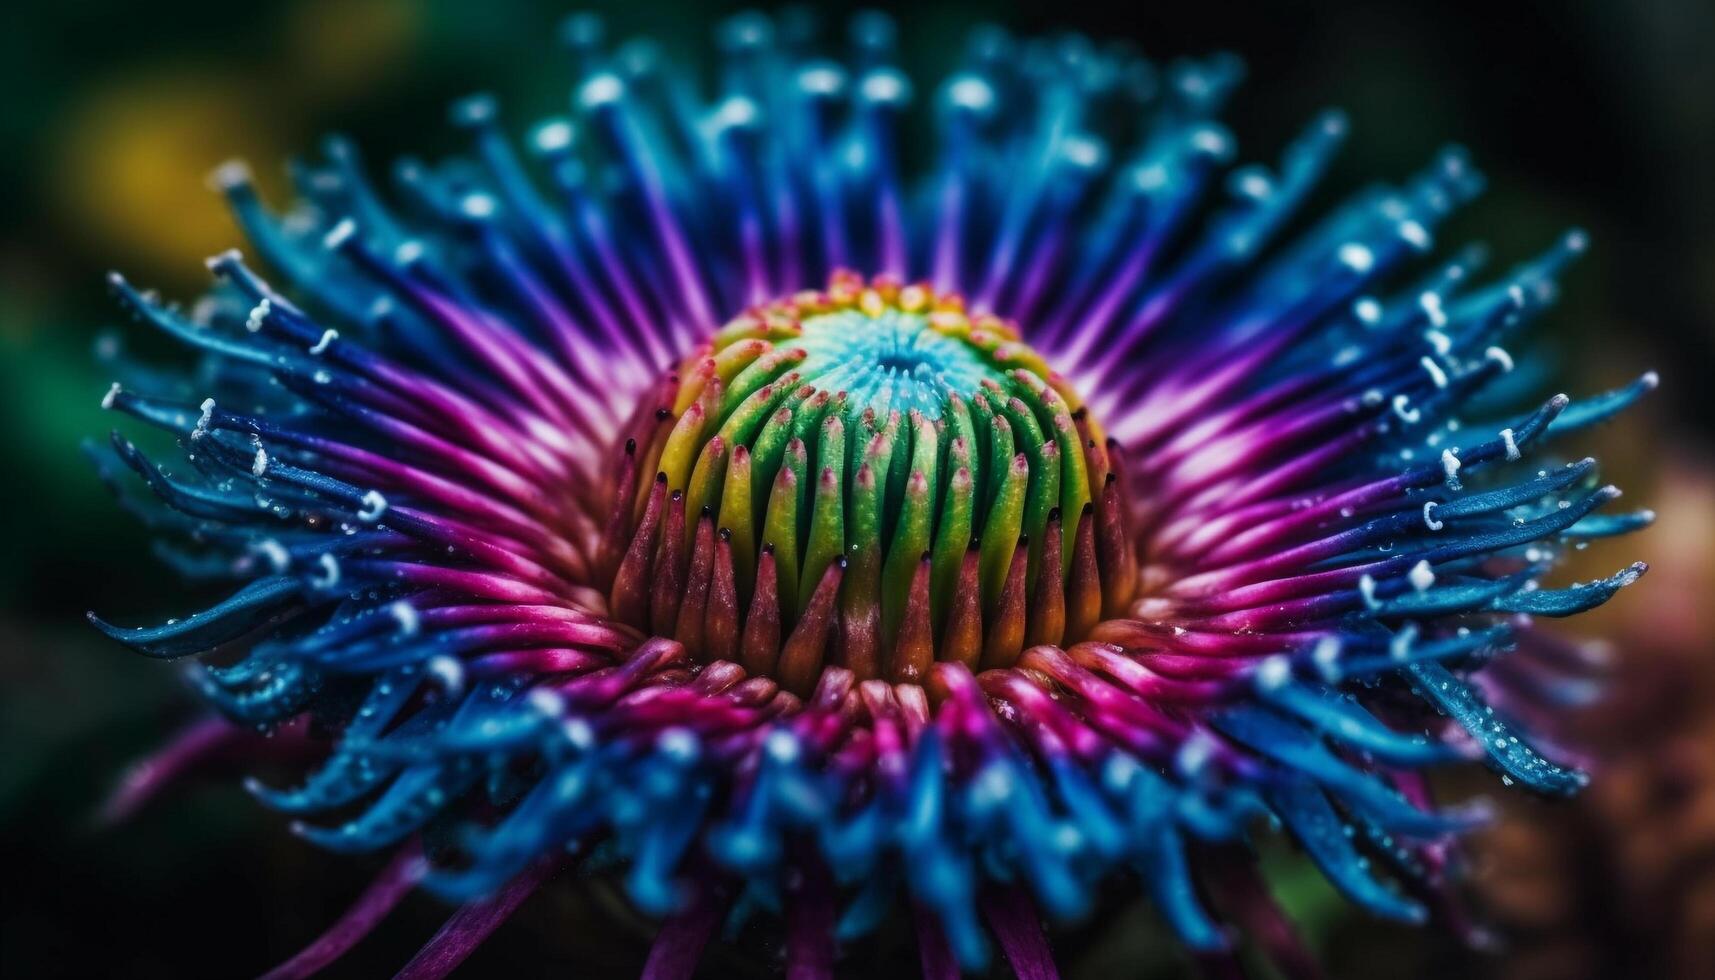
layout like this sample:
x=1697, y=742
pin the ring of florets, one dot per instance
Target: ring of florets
x=866, y=476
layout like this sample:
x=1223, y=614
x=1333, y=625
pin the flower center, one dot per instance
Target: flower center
x=866, y=476
x=891, y=361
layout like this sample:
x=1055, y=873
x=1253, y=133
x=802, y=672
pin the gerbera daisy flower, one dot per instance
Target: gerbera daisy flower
x=854, y=496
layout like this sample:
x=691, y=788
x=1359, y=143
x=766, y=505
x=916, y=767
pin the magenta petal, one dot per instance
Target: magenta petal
x=470, y=925
x=679, y=944
x=1244, y=893
x=196, y=748
x=1013, y=918
x=933, y=951
x=195, y=745
x=383, y=894
x=810, y=928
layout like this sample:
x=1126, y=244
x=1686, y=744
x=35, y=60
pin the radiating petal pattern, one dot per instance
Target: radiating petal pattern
x=847, y=487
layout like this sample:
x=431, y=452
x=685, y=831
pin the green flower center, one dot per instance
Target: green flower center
x=866, y=477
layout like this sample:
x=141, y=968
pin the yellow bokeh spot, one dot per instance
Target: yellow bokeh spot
x=129, y=172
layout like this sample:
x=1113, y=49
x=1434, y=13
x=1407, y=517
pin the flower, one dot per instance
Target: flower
x=1094, y=518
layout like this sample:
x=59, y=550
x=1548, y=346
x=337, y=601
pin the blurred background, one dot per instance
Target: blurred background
x=1584, y=112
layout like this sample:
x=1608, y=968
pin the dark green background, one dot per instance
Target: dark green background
x=1599, y=114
